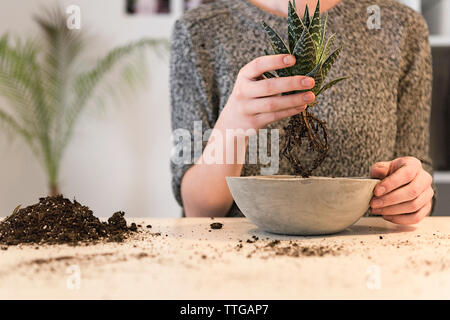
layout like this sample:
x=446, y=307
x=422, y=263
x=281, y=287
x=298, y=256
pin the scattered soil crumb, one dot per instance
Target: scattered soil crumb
x=50, y=260
x=296, y=251
x=290, y=249
x=142, y=255
x=216, y=225
x=273, y=243
x=42, y=261
x=57, y=220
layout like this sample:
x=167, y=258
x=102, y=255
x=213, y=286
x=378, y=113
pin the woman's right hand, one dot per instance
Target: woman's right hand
x=256, y=102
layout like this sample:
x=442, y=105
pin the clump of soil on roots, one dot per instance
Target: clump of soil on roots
x=57, y=220
x=312, y=131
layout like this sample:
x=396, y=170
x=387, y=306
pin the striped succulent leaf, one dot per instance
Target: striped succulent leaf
x=327, y=48
x=295, y=27
x=284, y=72
x=330, y=61
x=318, y=81
x=331, y=83
x=306, y=18
x=323, y=30
x=314, y=71
x=278, y=44
x=269, y=75
x=305, y=54
x=293, y=4
x=316, y=27
x=316, y=74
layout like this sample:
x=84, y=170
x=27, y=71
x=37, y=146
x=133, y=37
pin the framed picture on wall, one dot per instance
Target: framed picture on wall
x=148, y=6
x=190, y=4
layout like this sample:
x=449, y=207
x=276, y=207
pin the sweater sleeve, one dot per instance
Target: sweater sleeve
x=189, y=104
x=414, y=97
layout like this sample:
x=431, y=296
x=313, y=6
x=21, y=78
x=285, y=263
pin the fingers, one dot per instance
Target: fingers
x=402, y=171
x=258, y=66
x=411, y=218
x=404, y=196
x=408, y=206
x=278, y=103
x=406, y=193
x=270, y=117
x=380, y=170
x=273, y=86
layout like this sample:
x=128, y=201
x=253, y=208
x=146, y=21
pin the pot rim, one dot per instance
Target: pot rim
x=298, y=178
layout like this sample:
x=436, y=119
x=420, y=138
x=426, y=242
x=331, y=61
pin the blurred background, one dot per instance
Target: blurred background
x=437, y=13
x=119, y=156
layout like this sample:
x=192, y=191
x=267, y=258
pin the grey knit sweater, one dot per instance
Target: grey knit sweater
x=382, y=113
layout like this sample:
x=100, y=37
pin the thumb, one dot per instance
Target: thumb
x=380, y=170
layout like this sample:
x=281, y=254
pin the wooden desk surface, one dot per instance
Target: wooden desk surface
x=372, y=259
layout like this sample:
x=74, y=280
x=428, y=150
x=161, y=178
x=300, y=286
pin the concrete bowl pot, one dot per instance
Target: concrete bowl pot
x=302, y=206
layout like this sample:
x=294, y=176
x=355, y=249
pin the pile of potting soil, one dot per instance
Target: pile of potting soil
x=57, y=220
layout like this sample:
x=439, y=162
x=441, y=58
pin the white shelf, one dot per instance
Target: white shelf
x=442, y=177
x=439, y=41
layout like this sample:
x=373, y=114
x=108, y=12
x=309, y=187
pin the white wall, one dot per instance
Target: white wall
x=119, y=159
x=415, y=4
x=437, y=14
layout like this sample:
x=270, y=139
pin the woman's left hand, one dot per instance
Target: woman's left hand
x=404, y=195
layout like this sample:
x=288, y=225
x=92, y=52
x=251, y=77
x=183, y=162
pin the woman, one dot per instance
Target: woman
x=378, y=121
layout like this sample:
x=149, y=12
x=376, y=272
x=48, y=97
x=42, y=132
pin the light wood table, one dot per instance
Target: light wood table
x=188, y=260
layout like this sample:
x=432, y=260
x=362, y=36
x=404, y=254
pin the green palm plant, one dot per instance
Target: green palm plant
x=47, y=92
x=314, y=58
